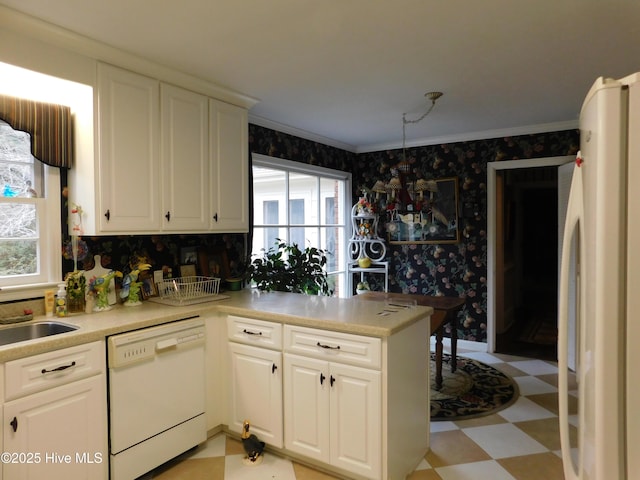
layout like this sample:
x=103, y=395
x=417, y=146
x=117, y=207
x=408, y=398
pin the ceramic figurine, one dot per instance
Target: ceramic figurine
x=131, y=287
x=100, y=288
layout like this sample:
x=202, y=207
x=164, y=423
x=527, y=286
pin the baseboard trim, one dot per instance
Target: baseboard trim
x=461, y=344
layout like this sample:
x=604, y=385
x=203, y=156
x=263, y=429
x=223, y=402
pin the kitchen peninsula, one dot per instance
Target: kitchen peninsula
x=376, y=353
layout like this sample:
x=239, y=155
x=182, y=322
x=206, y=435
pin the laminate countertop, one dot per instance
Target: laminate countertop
x=375, y=319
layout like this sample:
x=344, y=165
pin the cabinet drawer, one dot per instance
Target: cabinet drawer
x=333, y=346
x=47, y=370
x=255, y=332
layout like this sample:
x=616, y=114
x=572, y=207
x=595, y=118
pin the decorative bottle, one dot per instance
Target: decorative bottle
x=61, y=300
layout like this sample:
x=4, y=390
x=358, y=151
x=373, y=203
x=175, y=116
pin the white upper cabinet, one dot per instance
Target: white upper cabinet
x=127, y=173
x=228, y=143
x=167, y=159
x=185, y=159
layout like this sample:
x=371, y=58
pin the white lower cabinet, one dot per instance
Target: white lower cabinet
x=256, y=391
x=255, y=378
x=352, y=404
x=333, y=413
x=60, y=430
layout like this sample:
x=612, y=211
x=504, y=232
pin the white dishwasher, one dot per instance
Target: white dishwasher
x=156, y=395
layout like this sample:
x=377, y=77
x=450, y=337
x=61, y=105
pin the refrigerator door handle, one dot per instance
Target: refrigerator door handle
x=574, y=223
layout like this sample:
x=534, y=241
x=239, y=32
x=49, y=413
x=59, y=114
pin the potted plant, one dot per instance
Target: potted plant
x=362, y=287
x=287, y=268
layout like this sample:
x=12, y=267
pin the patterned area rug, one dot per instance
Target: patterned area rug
x=474, y=390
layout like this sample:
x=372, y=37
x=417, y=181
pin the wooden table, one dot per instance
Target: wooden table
x=445, y=311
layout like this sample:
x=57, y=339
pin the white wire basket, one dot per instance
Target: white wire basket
x=188, y=290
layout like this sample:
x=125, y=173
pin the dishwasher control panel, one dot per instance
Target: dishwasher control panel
x=140, y=345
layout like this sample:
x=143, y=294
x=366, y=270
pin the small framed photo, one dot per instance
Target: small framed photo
x=149, y=288
x=215, y=263
x=187, y=270
x=189, y=255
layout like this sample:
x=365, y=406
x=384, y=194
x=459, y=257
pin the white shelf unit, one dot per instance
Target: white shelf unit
x=365, y=243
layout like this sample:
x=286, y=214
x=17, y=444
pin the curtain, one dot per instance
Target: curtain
x=49, y=125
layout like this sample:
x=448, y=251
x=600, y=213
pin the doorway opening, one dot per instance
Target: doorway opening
x=522, y=256
x=527, y=306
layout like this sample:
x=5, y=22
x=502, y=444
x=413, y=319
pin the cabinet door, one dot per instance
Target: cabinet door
x=229, y=167
x=185, y=159
x=66, y=426
x=356, y=413
x=256, y=392
x=306, y=406
x=128, y=138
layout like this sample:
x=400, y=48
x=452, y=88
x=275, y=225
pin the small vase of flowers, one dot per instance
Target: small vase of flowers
x=364, y=208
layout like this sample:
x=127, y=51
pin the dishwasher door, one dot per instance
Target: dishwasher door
x=156, y=381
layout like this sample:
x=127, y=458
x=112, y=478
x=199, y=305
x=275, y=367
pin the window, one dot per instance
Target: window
x=29, y=213
x=302, y=204
x=47, y=259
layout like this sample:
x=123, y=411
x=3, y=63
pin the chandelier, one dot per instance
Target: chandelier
x=396, y=184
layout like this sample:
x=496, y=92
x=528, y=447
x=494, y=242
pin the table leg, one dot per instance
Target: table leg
x=439, y=335
x=454, y=342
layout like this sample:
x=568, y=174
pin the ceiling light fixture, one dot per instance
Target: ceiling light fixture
x=433, y=96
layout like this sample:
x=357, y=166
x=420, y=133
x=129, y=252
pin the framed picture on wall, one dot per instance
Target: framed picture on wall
x=188, y=255
x=434, y=218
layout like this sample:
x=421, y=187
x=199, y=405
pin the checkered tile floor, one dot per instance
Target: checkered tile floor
x=520, y=442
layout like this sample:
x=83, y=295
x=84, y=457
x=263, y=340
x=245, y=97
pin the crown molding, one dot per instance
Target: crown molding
x=471, y=136
x=298, y=132
x=421, y=142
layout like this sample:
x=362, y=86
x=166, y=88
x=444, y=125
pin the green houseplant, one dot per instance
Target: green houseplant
x=287, y=268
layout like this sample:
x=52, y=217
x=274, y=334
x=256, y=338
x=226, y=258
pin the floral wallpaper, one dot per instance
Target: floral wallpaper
x=162, y=252
x=459, y=269
x=281, y=145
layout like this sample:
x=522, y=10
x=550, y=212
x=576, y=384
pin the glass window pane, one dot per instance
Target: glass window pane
x=296, y=211
x=264, y=238
x=20, y=172
x=332, y=201
x=269, y=185
x=270, y=212
x=336, y=283
x=330, y=240
x=307, y=236
x=296, y=217
x=18, y=220
x=304, y=188
x=15, y=145
x=18, y=257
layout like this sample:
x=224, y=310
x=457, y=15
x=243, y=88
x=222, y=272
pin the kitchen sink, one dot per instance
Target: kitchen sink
x=20, y=333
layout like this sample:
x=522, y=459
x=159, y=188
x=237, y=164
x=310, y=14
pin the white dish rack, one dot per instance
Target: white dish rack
x=188, y=290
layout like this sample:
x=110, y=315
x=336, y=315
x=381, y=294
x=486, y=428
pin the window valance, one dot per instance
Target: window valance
x=49, y=125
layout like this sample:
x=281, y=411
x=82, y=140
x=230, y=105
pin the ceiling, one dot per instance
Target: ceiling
x=344, y=71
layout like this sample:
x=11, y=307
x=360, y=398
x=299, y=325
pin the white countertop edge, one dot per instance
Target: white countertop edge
x=328, y=313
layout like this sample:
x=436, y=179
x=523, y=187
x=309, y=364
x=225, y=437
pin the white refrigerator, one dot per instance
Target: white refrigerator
x=600, y=262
